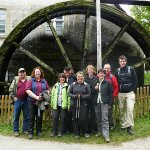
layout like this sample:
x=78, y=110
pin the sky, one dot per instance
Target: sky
x=126, y=8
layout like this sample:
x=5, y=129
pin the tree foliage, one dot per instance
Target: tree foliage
x=142, y=15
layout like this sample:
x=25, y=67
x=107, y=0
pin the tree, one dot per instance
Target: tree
x=142, y=15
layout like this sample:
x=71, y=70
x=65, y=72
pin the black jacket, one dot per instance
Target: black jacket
x=106, y=93
x=127, y=80
x=92, y=82
x=82, y=89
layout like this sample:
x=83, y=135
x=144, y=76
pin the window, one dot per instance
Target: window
x=2, y=21
x=58, y=24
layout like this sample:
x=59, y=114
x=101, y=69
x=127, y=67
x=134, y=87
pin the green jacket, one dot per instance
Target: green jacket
x=65, y=98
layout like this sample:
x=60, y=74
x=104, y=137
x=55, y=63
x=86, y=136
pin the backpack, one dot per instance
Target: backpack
x=129, y=70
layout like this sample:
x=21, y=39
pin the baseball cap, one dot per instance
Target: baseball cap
x=21, y=69
x=67, y=68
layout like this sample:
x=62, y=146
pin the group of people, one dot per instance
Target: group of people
x=80, y=103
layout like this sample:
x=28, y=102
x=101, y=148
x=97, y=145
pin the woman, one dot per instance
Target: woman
x=79, y=93
x=102, y=104
x=34, y=88
x=92, y=80
x=59, y=105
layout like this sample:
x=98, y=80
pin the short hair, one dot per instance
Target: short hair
x=122, y=57
x=101, y=70
x=92, y=67
x=33, y=72
x=61, y=75
x=80, y=72
x=107, y=64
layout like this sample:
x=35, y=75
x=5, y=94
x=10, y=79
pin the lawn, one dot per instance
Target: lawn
x=141, y=129
x=147, y=79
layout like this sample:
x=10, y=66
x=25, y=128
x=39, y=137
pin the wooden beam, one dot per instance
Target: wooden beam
x=35, y=58
x=115, y=41
x=85, y=40
x=128, y=2
x=59, y=42
x=141, y=62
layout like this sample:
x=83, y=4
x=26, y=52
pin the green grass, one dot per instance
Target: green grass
x=147, y=79
x=141, y=130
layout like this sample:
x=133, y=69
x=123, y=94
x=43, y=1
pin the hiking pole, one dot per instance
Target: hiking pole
x=78, y=113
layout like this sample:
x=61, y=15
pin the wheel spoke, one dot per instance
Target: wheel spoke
x=115, y=40
x=85, y=40
x=35, y=58
x=58, y=42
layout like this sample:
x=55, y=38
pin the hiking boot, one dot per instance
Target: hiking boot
x=129, y=130
x=60, y=134
x=30, y=136
x=98, y=134
x=16, y=133
x=52, y=134
x=107, y=140
x=39, y=134
x=77, y=136
x=25, y=132
x=86, y=135
x=123, y=129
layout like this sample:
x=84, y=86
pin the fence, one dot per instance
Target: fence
x=142, y=107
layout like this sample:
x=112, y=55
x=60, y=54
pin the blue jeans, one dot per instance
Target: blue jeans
x=18, y=106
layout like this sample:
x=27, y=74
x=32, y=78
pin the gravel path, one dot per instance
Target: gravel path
x=13, y=143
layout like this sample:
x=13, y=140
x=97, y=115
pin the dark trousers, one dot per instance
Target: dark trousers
x=91, y=117
x=35, y=113
x=110, y=116
x=69, y=122
x=80, y=123
x=56, y=114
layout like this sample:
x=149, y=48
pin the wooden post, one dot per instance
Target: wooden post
x=9, y=110
x=5, y=108
x=137, y=103
x=141, y=100
x=2, y=109
x=99, y=51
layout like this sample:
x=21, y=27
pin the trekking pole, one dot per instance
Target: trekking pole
x=78, y=113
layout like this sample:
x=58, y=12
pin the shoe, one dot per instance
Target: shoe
x=60, y=134
x=107, y=140
x=98, y=134
x=129, y=130
x=39, y=133
x=30, y=136
x=52, y=134
x=77, y=136
x=86, y=135
x=25, y=132
x=123, y=129
x=16, y=133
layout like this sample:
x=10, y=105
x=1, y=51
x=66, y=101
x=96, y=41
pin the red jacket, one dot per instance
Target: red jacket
x=113, y=82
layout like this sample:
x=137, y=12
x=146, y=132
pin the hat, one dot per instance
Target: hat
x=67, y=68
x=21, y=69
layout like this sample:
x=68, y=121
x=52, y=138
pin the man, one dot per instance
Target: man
x=18, y=94
x=70, y=78
x=113, y=81
x=127, y=81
